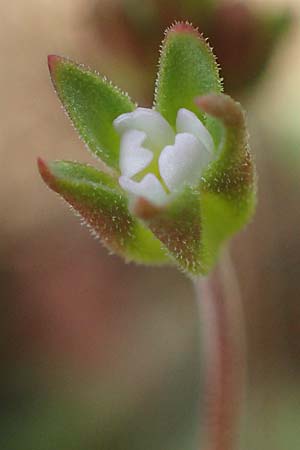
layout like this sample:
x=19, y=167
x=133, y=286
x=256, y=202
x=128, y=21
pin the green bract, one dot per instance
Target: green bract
x=190, y=230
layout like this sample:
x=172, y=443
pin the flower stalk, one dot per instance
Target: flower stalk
x=219, y=301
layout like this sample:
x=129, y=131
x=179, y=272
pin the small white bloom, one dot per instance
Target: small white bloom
x=147, y=139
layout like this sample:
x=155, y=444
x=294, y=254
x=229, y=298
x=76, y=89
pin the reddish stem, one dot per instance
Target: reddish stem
x=222, y=325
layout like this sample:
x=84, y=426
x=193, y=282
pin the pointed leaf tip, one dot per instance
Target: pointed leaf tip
x=95, y=196
x=183, y=27
x=228, y=189
x=233, y=172
x=187, y=68
x=222, y=107
x=53, y=60
x=92, y=103
x=41, y=163
x=145, y=210
x=45, y=173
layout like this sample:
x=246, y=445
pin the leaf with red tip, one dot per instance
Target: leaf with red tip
x=187, y=69
x=96, y=197
x=178, y=226
x=228, y=189
x=92, y=104
x=233, y=170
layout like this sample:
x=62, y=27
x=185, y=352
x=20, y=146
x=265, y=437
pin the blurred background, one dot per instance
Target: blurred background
x=100, y=355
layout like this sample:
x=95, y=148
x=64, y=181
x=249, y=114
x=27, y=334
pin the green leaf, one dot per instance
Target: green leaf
x=222, y=217
x=178, y=227
x=103, y=206
x=187, y=69
x=232, y=173
x=92, y=104
x=228, y=189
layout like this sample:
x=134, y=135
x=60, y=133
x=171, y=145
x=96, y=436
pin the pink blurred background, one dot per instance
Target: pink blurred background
x=97, y=354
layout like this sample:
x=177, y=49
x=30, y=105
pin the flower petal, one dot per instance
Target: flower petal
x=133, y=157
x=188, y=122
x=159, y=132
x=149, y=187
x=183, y=161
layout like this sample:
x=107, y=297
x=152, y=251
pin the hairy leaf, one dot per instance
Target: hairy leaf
x=228, y=189
x=103, y=207
x=178, y=227
x=92, y=104
x=187, y=69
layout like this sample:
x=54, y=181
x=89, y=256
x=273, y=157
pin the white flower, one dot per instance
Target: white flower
x=172, y=160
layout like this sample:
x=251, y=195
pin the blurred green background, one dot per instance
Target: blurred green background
x=100, y=355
